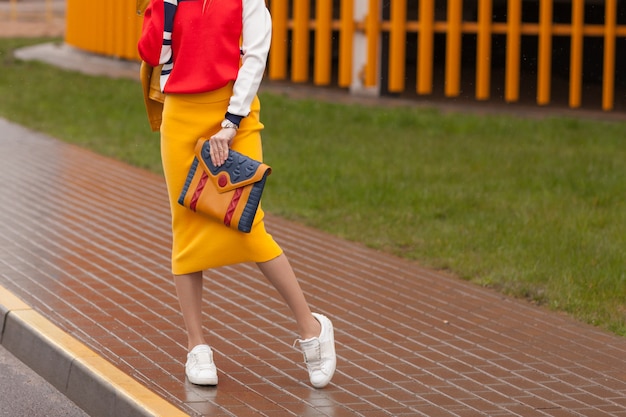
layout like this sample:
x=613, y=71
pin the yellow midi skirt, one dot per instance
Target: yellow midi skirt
x=200, y=242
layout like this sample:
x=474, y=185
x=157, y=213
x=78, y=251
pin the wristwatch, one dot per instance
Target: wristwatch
x=226, y=124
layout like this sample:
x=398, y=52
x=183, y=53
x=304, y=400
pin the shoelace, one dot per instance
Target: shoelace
x=312, y=353
x=203, y=359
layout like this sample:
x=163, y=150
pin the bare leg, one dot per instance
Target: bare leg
x=189, y=290
x=279, y=273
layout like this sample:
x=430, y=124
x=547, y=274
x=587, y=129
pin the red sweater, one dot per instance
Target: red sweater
x=205, y=44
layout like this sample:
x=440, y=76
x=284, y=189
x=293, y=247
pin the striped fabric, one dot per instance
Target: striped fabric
x=166, y=48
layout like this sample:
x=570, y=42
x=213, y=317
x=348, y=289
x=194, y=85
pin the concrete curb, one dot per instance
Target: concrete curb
x=78, y=372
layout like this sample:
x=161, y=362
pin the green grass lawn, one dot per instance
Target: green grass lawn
x=532, y=207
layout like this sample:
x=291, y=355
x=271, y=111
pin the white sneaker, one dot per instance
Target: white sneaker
x=319, y=353
x=200, y=368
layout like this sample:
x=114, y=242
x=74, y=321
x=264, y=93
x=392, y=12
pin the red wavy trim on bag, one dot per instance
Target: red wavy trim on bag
x=232, y=206
x=196, y=194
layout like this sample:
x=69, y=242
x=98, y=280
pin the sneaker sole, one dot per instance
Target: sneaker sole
x=203, y=381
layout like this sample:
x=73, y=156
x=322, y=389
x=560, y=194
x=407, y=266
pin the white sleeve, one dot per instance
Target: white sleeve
x=256, y=40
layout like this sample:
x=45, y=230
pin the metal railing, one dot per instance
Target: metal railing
x=109, y=27
x=426, y=19
x=414, y=46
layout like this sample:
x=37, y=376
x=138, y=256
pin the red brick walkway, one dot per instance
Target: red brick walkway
x=85, y=241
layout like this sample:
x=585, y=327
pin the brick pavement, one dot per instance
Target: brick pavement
x=78, y=247
x=85, y=241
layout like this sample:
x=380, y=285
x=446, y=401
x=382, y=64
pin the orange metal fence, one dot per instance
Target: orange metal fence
x=105, y=27
x=424, y=19
x=318, y=41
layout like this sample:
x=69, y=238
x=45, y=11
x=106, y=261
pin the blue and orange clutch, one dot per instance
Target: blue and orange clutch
x=230, y=193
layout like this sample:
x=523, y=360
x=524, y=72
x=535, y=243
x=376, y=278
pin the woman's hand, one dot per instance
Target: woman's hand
x=220, y=143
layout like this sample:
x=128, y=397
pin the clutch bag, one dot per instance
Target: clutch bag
x=230, y=193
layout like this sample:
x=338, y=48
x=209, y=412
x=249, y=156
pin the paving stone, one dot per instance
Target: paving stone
x=86, y=243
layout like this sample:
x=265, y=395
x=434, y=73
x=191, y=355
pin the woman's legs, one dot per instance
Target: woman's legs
x=279, y=273
x=189, y=290
x=199, y=368
x=316, y=332
x=317, y=335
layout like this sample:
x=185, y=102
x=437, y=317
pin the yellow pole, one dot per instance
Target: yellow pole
x=576, y=58
x=608, y=77
x=425, y=47
x=13, y=12
x=70, y=25
x=300, y=47
x=372, y=29
x=545, y=52
x=453, y=48
x=513, y=41
x=483, y=50
x=397, y=46
x=110, y=28
x=73, y=22
x=346, y=32
x=323, y=42
x=278, y=51
x=49, y=14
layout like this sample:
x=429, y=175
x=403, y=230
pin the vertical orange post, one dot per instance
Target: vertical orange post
x=78, y=20
x=124, y=12
x=346, y=32
x=425, y=47
x=106, y=24
x=397, y=46
x=300, y=47
x=97, y=23
x=513, y=41
x=86, y=21
x=372, y=31
x=608, y=76
x=278, y=52
x=138, y=27
x=94, y=40
x=49, y=13
x=13, y=12
x=453, y=48
x=130, y=29
x=124, y=27
x=134, y=31
x=576, y=54
x=323, y=42
x=72, y=8
x=110, y=28
x=483, y=50
x=70, y=26
x=545, y=52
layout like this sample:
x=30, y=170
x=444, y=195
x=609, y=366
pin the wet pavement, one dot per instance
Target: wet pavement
x=85, y=243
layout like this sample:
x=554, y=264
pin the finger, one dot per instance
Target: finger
x=223, y=156
x=215, y=155
x=220, y=156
